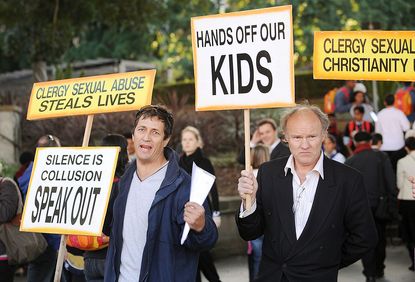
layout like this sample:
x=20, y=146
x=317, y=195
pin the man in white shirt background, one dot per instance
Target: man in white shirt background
x=392, y=124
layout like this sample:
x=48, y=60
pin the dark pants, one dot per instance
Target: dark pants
x=6, y=271
x=42, y=269
x=94, y=269
x=207, y=267
x=407, y=210
x=395, y=156
x=373, y=261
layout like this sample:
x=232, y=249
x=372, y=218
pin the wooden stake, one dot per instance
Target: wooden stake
x=248, y=200
x=62, y=245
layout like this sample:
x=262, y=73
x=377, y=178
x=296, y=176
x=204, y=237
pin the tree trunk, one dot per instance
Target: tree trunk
x=39, y=71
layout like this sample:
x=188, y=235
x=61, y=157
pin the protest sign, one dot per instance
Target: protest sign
x=69, y=190
x=244, y=60
x=91, y=95
x=365, y=55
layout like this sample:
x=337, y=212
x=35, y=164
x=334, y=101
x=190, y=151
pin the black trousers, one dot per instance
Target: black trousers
x=395, y=156
x=6, y=271
x=374, y=260
x=207, y=267
x=407, y=211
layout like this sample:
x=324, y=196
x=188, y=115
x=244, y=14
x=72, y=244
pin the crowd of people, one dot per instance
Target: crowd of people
x=321, y=198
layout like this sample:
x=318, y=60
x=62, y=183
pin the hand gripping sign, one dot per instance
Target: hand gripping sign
x=244, y=60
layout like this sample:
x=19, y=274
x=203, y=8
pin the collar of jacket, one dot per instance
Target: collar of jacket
x=362, y=147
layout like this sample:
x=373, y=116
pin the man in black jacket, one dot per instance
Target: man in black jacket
x=379, y=179
x=313, y=212
x=266, y=133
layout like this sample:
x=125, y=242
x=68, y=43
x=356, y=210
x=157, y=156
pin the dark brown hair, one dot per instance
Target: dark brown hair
x=161, y=113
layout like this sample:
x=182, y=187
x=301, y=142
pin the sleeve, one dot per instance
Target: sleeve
x=251, y=226
x=389, y=176
x=400, y=175
x=404, y=123
x=341, y=106
x=361, y=234
x=9, y=201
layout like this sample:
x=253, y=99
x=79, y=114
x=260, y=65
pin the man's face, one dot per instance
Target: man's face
x=267, y=134
x=305, y=137
x=149, y=140
x=350, y=84
x=358, y=116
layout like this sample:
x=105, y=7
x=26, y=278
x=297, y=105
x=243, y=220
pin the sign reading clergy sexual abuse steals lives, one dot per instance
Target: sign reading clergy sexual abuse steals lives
x=91, y=95
x=69, y=190
x=367, y=55
x=244, y=60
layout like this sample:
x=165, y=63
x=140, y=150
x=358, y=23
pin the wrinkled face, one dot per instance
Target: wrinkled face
x=329, y=146
x=130, y=146
x=267, y=134
x=305, y=137
x=359, y=97
x=189, y=142
x=149, y=140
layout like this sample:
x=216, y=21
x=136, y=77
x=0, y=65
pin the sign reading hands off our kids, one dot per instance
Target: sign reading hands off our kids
x=244, y=60
x=366, y=55
x=91, y=95
x=69, y=190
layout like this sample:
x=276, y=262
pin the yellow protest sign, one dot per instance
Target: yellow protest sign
x=366, y=55
x=91, y=95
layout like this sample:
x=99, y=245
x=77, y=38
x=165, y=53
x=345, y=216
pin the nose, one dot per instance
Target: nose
x=305, y=143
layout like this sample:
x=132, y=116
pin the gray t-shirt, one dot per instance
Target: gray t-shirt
x=140, y=198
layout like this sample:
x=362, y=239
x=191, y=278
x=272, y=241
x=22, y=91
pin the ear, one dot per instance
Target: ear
x=166, y=141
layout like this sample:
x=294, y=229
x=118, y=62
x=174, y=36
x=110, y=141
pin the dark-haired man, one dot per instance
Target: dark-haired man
x=152, y=208
x=266, y=133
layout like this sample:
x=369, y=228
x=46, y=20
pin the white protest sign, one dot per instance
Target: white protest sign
x=69, y=190
x=244, y=60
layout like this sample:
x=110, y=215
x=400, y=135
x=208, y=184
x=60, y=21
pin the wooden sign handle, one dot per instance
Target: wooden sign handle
x=248, y=200
x=62, y=245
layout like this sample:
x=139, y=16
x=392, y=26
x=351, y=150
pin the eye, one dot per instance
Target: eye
x=140, y=129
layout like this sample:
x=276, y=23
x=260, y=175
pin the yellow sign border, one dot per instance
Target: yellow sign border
x=66, y=231
x=237, y=14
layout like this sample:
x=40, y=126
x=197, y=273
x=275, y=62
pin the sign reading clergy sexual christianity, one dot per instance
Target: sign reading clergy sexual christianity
x=91, y=95
x=69, y=190
x=244, y=60
x=367, y=55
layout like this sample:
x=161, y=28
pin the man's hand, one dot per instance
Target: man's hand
x=247, y=185
x=412, y=180
x=256, y=138
x=194, y=215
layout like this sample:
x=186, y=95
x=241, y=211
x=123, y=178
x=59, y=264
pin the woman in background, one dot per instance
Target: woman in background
x=192, y=144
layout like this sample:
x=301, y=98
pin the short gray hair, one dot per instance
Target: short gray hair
x=324, y=120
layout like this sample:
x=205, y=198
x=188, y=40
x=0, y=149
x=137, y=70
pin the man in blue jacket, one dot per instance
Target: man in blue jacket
x=152, y=208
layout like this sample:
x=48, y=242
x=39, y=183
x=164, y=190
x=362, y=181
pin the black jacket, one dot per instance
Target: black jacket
x=377, y=172
x=186, y=162
x=339, y=230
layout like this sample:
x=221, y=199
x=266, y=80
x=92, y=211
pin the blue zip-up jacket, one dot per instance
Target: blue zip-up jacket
x=164, y=259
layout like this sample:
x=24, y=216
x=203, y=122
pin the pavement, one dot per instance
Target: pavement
x=235, y=269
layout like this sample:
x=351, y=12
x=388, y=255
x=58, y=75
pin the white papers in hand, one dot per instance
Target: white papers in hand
x=202, y=182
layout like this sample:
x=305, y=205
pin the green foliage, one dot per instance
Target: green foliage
x=8, y=170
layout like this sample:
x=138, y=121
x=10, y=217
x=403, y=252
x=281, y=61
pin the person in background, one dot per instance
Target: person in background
x=405, y=100
x=330, y=149
x=377, y=172
x=259, y=155
x=357, y=124
x=406, y=168
x=130, y=146
x=25, y=159
x=151, y=210
x=192, y=144
x=42, y=269
x=343, y=97
x=392, y=124
x=377, y=141
x=95, y=260
x=266, y=133
x=359, y=99
x=313, y=212
x=9, y=201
